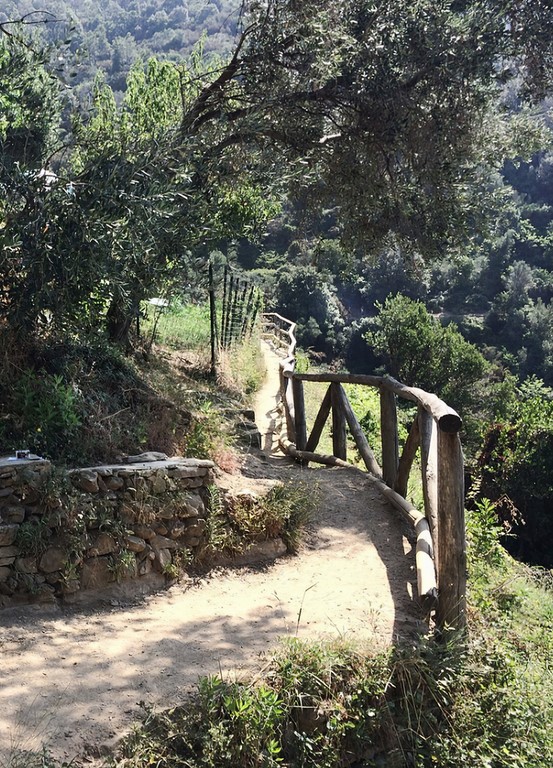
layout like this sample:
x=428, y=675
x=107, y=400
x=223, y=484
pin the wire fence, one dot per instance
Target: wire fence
x=235, y=306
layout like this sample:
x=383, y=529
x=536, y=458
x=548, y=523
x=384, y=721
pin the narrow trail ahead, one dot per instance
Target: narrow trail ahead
x=73, y=677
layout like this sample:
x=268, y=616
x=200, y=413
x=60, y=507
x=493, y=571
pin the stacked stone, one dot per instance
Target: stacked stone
x=153, y=512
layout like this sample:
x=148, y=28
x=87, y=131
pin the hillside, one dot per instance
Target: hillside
x=109, y=36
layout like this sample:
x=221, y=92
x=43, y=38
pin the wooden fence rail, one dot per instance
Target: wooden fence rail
x=440, y=530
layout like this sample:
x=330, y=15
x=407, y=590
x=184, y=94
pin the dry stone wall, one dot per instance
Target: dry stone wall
x=66, y=532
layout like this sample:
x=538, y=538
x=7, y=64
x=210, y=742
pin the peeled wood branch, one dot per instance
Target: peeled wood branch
x=448, y=420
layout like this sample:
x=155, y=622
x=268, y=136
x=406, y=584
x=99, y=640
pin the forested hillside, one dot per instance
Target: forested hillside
x=109, y=36
x=383, y=170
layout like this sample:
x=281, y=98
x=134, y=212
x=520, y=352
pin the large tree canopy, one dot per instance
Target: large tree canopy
x=389, y=102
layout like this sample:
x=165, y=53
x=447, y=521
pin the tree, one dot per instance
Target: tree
x=517, y=469
x=145, y=183
x=305, y=296
x=420, y=352
x=389, y=103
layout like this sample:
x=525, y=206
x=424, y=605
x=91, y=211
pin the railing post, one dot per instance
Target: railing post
x=389, y=437
x=339, y=436
x=407, y=458
x=452, y=580
x=320, y=421
x=429, y=469
x=299, y=414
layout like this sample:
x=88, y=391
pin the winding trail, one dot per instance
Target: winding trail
x=73, y=677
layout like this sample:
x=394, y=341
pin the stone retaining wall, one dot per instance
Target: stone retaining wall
x=64, y=532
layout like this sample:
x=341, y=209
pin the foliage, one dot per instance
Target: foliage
x=516, y=466
x=111, y=35
x=519, y=452
x=420, y=352
x=243, y=369
x=204, y=433
x=285, y=511
x=306, y=296
x=391, y=104
x=182, y=324
x=483, y=535
x=48, y=408
x=33, y=537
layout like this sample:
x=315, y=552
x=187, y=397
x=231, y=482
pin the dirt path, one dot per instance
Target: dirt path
x=74, y=678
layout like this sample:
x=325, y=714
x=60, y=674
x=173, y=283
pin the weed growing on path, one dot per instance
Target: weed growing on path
x=240, y=521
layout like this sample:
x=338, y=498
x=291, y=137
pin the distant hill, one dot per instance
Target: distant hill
x=109, y=35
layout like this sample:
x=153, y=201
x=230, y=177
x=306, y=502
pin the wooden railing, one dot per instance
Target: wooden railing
x=440, y=530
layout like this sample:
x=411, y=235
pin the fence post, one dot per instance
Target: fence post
x=407, y=458
x=299, y=414
x=452, y=579
x=213, y=320
x=429, y=469
x=339, y=436
x=389, y=437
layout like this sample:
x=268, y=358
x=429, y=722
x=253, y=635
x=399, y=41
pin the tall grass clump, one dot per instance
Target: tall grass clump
x=238, y=522
x=241, y=368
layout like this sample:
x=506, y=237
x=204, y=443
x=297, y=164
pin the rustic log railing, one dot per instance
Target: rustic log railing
x=440, y=530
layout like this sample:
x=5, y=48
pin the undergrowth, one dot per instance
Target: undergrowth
x=81, y=402
x=237, y=522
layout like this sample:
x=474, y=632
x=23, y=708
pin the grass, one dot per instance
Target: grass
x=481, y=700
x=241, y=521
x=178, y=326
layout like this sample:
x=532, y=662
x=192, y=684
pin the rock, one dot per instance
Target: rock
x=30, y=496
x=186, y=512
x=5, y=573
x=177, y=529
x=102, y=544
x=144, y=531
x=163, y=559
x=160, y=528
x=85, y=480
x=159, y=485
x=166, y=513
x=70, y=586
x=135, y=543
x=114, y=483
x=96, y=573
x=145, y=457
x=13, y=514
x=197, y=528
x=195, y=482
x=194, y=504
x=188, y=472
x=263, y=550
x=248, y=433
x=8, y=534
x=161, y=542
x=145, y=567
x=26, y=565
x=46, y=594
x=8, y=555
x=53, y=559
